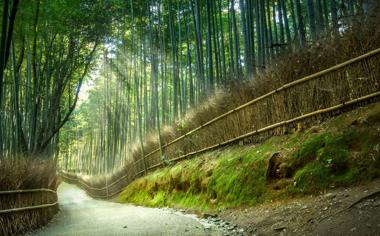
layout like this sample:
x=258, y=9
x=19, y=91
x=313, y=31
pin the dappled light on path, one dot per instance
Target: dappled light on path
x=81, y=215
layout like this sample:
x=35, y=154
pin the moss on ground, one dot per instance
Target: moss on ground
x=339, y=152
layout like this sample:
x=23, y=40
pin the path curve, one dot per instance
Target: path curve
x=81, y=215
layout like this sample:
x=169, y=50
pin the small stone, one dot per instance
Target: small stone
x=209, y=215
x=213, y=201
x=353, y=229
x=279, y=226
x=232, y=227
x=330, y=195
x=241, y=230
x=325, y=209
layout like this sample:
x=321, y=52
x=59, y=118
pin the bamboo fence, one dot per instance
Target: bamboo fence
x=23, y=210
x=27, y=208
x=326, y=93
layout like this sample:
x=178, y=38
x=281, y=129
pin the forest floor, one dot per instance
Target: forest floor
x=333, y=212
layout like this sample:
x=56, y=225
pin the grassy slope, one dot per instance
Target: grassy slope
x=342, y=151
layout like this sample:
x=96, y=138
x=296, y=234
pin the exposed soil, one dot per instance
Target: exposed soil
x=344, y=211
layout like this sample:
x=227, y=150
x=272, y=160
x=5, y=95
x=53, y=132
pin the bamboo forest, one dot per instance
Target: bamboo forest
x=218, y=107
x=166, y=57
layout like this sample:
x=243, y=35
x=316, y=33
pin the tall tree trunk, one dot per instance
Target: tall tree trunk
x=236, y=40
x=223, y=52
x=311, y=14
x=301, y=24
x=174, y=62
x=210, y=68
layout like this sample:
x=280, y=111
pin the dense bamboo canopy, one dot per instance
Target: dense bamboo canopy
x=146, y=64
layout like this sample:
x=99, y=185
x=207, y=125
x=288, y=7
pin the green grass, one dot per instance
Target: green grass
x=337, y=153
x=236, y=177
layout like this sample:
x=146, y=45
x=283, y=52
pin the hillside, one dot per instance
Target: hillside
x=339, y=152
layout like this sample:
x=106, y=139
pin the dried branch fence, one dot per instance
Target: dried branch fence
x=22, y=210
x=308, y=100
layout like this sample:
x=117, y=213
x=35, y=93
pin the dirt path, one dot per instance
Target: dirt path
x=330, y=213
x=82, y=215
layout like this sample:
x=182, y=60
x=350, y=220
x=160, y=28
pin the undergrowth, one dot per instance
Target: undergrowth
x=340, y=152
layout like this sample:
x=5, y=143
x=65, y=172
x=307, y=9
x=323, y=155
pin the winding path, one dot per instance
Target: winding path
x=81, y=215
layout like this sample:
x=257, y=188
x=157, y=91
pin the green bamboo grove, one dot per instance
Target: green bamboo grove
x=47, y=49
x=165, y=57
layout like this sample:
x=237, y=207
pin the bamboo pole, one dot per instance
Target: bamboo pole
x=27, y=191
x=107, y=187
x=28, y=208
x=21, y=191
